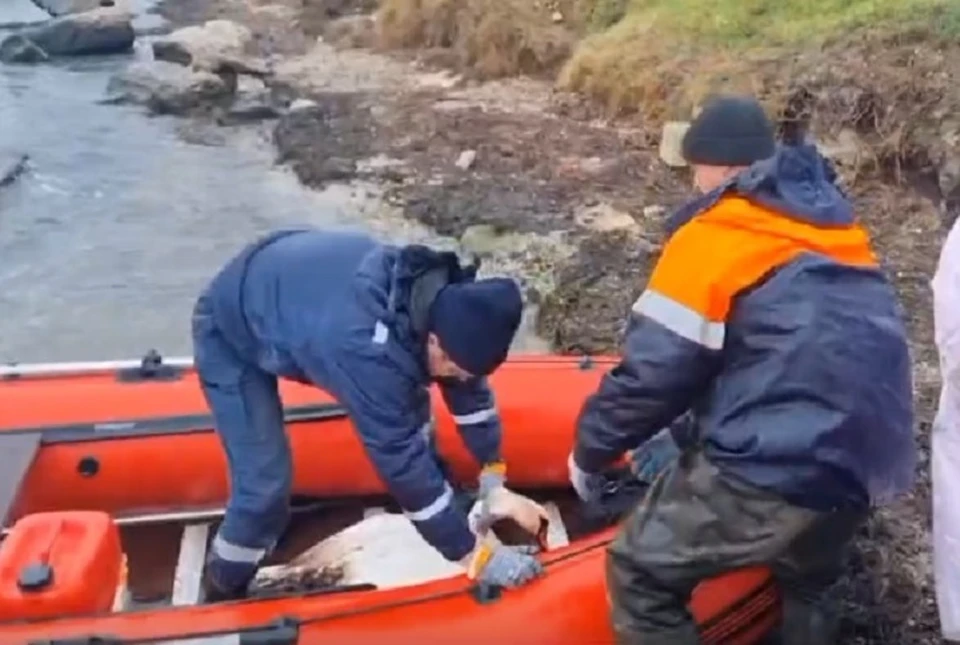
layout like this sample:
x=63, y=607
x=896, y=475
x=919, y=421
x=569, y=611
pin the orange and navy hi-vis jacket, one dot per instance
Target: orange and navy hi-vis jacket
x=768, y=318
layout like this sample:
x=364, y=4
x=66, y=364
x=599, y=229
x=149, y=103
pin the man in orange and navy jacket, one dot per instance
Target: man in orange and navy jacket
x=768, y=319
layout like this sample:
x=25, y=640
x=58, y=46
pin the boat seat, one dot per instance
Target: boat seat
x=187, y=577
x=17, y=452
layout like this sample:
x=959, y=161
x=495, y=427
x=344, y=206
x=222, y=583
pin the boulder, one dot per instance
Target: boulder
x=168, y=88
x=253, y=102
x=19, y=49
x=58, y=8
x=102, y=31
x=210, y=46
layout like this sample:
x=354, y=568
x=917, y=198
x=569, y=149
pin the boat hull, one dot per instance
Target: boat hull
x=567, y=605
x=130, y=446
x=124, y=445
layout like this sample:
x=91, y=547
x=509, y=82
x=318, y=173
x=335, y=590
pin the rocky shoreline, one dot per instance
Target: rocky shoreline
x=538, y=183
x=573, y=204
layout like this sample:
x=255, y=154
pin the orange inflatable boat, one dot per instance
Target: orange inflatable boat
x=113, y=481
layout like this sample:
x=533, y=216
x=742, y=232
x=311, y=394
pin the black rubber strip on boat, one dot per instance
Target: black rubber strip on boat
x=162, y=425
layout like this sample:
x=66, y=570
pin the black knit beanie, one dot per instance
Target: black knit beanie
x=475, y=322
x=730, y=131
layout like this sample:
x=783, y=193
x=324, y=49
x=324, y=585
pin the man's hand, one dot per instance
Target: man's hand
x=652, y=457
x=497, y=502
x=589, y=486
x=504, y=566
x=501, y=503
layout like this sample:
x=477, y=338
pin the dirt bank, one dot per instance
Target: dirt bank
x=573, y=199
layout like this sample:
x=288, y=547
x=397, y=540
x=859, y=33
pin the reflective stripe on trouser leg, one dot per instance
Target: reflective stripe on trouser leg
x=258, y=453
x=249, y=420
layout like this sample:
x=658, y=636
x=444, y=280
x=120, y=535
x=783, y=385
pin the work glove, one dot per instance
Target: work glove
x=496, y=502
x=589, y=486
x=504, y=566
x=654, y=455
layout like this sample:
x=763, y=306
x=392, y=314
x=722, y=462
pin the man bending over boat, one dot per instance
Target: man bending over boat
x=768, y=317
x=373, y=325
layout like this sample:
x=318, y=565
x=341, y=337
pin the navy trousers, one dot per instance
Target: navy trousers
x=248, y=416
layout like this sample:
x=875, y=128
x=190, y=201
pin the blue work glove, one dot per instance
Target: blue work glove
x=589, y=486
x=652, y=457
x=504, y=566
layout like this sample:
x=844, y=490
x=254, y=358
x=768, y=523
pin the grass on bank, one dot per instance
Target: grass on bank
x=658, y=56
x=664, y=55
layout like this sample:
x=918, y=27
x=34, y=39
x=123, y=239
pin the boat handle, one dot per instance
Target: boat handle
x=485, y=592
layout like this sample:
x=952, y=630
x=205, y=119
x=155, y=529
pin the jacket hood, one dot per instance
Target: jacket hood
x=797, y=182
x=399, y=283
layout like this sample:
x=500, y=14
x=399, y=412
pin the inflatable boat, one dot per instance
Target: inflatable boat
x=113, y=482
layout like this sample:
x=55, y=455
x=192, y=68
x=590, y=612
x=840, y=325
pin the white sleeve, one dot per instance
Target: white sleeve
x=945, y=455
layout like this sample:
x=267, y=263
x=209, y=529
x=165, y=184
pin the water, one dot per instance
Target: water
x=107, y=239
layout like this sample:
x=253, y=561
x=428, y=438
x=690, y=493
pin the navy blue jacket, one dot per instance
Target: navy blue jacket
x=341, y=311
x=769, y=319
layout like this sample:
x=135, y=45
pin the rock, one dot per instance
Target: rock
x=208, y=47
x=253, y=103
x=301, y=104
x=58, y=8
x=102, y=31
x=336, y=169
x=466, y=159
x=556, y=16
x=12, y=166
x=19, y=49
x=480, y=239
x=671, y=143
x=168, y=88
x=604, y=217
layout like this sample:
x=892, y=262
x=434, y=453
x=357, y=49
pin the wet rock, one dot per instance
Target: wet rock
x=168, y=88
x=64, y=7
x=593, y=292
x=671, y=143
x=212, y=46
x=12, y=165
x=301, y=104
x=102, y=31
x=19, y=49
x=254, y=102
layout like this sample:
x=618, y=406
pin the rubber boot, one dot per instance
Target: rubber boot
x=223, y=581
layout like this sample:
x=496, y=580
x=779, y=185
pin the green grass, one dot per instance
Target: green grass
x=663, y=54
x=778, y=22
